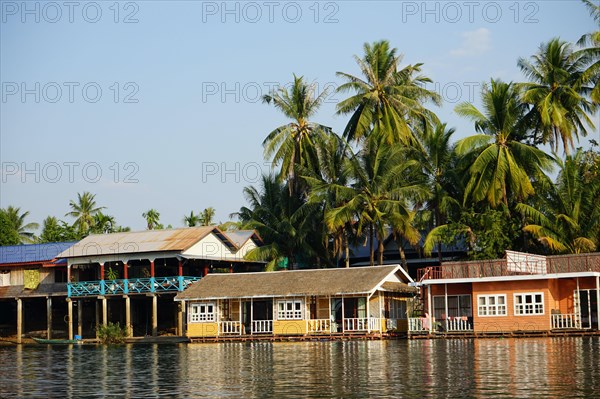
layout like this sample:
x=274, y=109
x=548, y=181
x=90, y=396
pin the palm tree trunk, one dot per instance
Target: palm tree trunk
x=403, y=261
x=371, y=248
x=380, y=250
x=347, y=249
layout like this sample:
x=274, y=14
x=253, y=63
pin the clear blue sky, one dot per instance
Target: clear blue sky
x=178, y=125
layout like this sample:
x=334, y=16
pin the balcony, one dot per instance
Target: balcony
x=504, y=267
x=130, y=286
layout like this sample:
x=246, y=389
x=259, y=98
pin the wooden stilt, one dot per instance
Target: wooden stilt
x=49, y=317
x=70, y=316
x=154, y=315
x=80, y=318
x=104, y=311
x=128, y=326
x=19, y=320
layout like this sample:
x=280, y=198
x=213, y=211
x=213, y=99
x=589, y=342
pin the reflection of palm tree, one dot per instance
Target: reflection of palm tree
x=83, y=211
x=566, y=216
x=292, y=144
x=386, y=100
x=152, y=219
x=17, y=219
x=502, y=165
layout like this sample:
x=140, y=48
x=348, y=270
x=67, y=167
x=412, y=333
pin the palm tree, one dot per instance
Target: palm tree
x=566, y=219
x=191, y=220
x=273, y=212
x=560, y=108
x=103, y=224
x=152, y=219
x=8, y=234
x=502, y=167
x=17, y=219
x=385, y=184
x=438, y=160
x=386, y=100
x=207, y=216
x=83, y=211
x=591, y=55
x=292, y=144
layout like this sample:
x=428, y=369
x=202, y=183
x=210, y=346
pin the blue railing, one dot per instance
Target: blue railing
x=130, y=286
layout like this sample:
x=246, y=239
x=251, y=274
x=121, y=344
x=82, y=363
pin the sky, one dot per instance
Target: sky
x=156, y=104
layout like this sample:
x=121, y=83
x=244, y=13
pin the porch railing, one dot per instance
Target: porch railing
x=130, y=286
x=319, y=326
x=561, y=321
x=262, y=326
x=418, y=324
x=458, y=324
x=230, y=327
x=362, y=324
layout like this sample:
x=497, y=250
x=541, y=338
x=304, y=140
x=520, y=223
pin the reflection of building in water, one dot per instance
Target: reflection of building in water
x=520, y=293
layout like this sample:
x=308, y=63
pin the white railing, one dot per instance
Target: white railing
x=319, y=325
x=362, y=324
x=418, y=324
x=458, y=324
x=565, y=321
x=262, y=326
x=230, y=327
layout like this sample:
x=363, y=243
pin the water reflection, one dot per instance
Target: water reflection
x=486, y=368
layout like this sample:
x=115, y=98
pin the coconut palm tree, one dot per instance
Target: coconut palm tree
x=274, y=213
x=8, y=234
x=152, y=217
x=103, y=224
x=386, y=100
x=207, y=216
x=191, y=220
x=566, y=218
x=502, y=167
x=560, y=107
x=385, y=183
x=83, y=210
x=22, y=228
x=590, y=54
x=292, y=144
x=439, y=164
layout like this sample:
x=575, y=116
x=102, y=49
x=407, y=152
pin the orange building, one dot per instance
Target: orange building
x=520, y=293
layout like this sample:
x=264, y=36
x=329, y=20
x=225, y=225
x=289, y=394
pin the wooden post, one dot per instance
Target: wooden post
x=19, y=320
x=446, y=304
x=104, y=311
x=80, y=318
x=70, y=316
x=154, y=315
x=128, y=326
x=180, y=317
x=152, y=268
x=180, y=268
x=125, y=271
x=49, y=317
x=429, y=308
x=598, y=300
x=102, y=271
x=97, y=304
x=205, y=270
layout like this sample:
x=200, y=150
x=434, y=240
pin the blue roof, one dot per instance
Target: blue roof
x=32, y=252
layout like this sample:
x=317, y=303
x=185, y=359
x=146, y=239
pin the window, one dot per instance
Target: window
x=458, y=306
x=529, y=304
x=202, y=312
x=397, y=309
x=289, y=310
x=491, y=305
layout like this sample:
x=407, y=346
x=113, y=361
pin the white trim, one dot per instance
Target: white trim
x=196, y=313
x=533, y=303
x=495, y=306
x=292, y=309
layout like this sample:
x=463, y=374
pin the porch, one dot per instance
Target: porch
x=130, y=286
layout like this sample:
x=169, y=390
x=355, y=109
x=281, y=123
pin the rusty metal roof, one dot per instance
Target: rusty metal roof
x=140, y=242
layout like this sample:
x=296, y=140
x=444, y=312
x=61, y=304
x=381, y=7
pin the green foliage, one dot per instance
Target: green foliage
x=112, y=333
x=8, y=233
x=54, y=230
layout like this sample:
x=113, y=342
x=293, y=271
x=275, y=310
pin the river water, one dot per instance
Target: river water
x=484, y=368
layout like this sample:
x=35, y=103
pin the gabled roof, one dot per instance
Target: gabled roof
x=32, y=253
x=175, y=240
x=359, y=280
x=239, y=237
x=43, y=290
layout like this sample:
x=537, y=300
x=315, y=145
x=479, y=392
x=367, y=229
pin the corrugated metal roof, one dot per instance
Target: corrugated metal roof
x=291, y=283
x=18, y=291
x=139, y=242
x=239, y=237
x=32, y=252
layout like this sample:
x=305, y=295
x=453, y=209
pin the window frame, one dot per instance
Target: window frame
x=290, y=311
x=459, y=308
x=198, y=316
x=533, y=304
x=495, y=306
